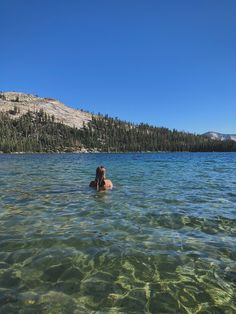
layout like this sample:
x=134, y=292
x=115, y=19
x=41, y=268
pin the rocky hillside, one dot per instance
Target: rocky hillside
x=19, y=104
x=30, y=124
x=220, y=136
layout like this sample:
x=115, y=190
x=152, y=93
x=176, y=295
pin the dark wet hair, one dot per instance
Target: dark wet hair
x=100, y=176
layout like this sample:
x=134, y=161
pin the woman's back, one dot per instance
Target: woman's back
x=100, y=183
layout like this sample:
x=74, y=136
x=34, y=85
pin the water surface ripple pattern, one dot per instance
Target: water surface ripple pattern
x=163, y=241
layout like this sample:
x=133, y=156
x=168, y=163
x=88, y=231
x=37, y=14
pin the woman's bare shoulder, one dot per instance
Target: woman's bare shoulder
x=108, y=184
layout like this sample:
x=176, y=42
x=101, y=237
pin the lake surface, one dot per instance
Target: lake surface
x=162, y=241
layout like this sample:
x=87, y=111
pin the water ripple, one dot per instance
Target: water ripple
x=163, y=241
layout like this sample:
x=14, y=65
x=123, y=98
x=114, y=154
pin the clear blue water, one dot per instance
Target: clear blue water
x=162, y=241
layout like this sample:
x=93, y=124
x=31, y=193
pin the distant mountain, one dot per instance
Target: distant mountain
x=30, y=123
x=220, y=136
x=19, y=104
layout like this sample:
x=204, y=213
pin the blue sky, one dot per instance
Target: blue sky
x=170, y=63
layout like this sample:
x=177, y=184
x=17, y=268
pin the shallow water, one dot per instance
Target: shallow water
x=163, y=241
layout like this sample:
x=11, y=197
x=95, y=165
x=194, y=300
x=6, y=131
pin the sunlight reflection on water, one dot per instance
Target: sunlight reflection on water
x=163, y=241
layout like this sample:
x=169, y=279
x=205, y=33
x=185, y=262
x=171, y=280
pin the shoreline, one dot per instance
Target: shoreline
x=104, y=152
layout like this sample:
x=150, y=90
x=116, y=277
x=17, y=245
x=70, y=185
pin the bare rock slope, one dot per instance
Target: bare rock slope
x=220, y=136
x=28, y=102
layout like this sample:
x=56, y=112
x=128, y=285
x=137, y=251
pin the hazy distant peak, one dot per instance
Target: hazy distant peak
x=219, y=136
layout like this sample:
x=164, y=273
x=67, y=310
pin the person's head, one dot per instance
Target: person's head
x=100, y=175
x=103, y=170
x=97, y=172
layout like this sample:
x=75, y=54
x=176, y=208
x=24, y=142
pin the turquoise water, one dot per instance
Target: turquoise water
x=163, y=241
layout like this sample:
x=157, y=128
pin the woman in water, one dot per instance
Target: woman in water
x=100, y=182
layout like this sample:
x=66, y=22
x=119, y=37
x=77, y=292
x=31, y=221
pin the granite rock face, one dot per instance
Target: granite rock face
x=27, y=102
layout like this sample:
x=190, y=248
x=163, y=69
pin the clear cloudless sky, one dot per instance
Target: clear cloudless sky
x=169, y=63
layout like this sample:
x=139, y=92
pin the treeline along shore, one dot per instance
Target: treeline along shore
x=40, y=132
